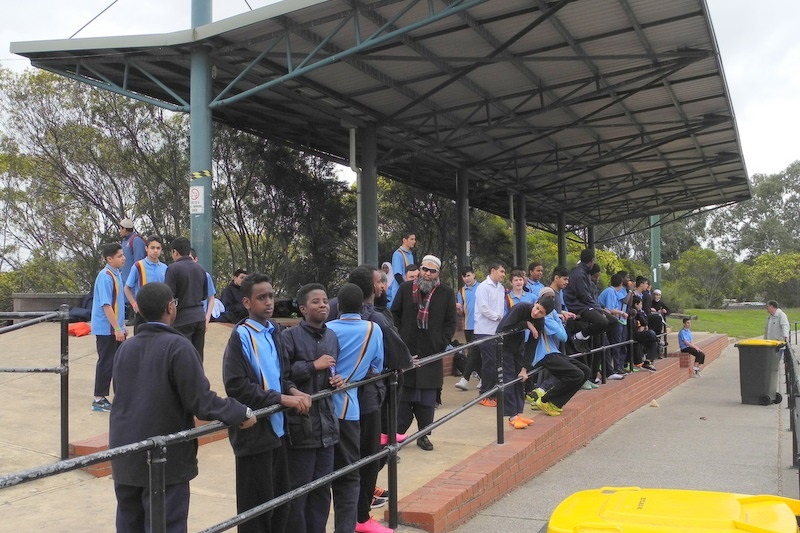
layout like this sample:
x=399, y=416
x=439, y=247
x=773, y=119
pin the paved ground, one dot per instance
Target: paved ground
x=701, y=437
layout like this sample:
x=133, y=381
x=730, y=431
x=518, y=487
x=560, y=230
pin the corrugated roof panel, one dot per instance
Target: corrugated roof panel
x=577, y=106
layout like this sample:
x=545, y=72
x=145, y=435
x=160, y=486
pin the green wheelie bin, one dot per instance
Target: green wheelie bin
x=758, y=370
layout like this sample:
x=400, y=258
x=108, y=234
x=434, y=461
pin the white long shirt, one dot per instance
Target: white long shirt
x=489, y=306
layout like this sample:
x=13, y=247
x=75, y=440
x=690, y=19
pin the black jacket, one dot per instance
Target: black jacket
x=159, y=387
x=242, y=383
x=395, y=357
x=441, y=327
x=232, y=300
x=579, y=294
x=303, y=345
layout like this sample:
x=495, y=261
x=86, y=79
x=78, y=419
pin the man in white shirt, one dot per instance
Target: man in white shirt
x=777, y=323
x=489, y=310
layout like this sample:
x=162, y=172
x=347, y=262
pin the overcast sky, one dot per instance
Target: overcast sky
x=758, y=40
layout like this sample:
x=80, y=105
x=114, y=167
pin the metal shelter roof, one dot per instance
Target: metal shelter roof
x=601, y=109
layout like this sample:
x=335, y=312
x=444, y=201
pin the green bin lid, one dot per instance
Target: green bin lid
x=760, y=342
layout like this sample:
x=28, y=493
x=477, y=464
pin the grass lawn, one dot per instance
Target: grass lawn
x=739, y=323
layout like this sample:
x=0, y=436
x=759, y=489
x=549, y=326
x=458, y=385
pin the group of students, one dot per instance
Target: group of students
x=159, y=385
x=534, y=319
x=572, y=317
x=135, y=262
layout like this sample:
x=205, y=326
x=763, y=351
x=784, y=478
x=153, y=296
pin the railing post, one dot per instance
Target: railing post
x=392, y=459
x=157, y=459
x=499, y=396
x=63, y=312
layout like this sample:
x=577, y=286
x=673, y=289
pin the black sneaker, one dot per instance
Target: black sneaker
x=378, y=502
x=649, y=366
x=101, y=405
x=581, y=345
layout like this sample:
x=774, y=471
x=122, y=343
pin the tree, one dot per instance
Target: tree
x=700, y=278
x=281, y=212
x=765, y=224
x=631, y=239
x=777, y=277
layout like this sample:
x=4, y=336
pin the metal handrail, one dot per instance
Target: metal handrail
x=62, y=369
x=156, y=446
x=791, y=367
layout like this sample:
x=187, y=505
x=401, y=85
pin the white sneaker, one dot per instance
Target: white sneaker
x=478, y=386
x=616, y=376
x=462, y=384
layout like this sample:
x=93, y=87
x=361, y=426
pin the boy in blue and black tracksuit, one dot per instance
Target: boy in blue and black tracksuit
x=570, y=373
x=108, y=322
x=256, y=374
x=360, y=352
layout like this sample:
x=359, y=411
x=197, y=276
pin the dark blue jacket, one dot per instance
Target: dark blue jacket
x=579, y=294
x=159, y=387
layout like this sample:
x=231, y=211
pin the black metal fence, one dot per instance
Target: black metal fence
x=791, y=366
x=29, y=319
x=156, y=446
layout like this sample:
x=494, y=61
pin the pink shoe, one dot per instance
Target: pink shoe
x=372, y=526
x=385, y=438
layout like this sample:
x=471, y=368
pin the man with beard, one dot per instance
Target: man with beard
x=424, y=312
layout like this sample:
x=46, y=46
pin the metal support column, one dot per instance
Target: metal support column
x=462, y=221
x=201, y=215
x=368, y=195
x=590, y=237
x=521, y=233
x=562, y=240
x=655, y=250
x=63, y=313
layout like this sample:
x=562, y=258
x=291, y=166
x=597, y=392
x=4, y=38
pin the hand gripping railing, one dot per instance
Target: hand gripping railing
x=156, y=446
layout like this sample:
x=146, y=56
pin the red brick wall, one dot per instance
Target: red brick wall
x=459, y=493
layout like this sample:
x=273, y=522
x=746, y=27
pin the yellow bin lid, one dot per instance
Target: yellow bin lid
x=636, y=510
x=760, y=342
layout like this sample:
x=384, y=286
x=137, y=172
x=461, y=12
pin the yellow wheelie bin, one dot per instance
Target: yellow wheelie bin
x=637, y=510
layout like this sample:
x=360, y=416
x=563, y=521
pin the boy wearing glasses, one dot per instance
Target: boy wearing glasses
x=159, y=388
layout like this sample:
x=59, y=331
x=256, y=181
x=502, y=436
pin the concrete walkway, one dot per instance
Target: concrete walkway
x=701, y=437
